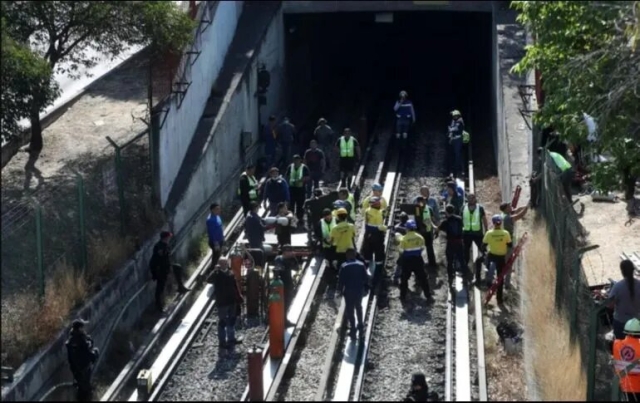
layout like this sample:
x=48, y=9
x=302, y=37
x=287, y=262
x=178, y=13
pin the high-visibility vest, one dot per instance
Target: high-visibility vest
x=426, y=217
x=374, y=217
x=352, y=201
x=411, y=244
x=560, y=161
x=253, y=185
x=471, y=222
x=625, y=353
x=326, y=229
x=367, y=202
x=346, y=147
x=295, y=177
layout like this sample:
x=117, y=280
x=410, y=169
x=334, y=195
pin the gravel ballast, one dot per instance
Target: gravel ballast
x=306, y=371
x=415, y=342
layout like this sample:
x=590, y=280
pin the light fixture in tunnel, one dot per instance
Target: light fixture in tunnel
x=385, y=18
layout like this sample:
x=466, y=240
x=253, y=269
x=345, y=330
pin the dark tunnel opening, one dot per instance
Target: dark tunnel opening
x=441, y=58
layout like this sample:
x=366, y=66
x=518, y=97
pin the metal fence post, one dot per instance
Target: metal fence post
x=120, y=182
x=560, y=252
x=39, y=248
x=576, y=287
x=81, y=222
x=593, y=346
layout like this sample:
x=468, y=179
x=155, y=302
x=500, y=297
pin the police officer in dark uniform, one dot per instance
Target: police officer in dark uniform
x=160, y=265
x=452, y=226
x=82, y=356
x=284, y=264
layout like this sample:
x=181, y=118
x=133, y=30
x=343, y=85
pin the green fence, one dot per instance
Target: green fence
x=573, y=297
x=89, y=222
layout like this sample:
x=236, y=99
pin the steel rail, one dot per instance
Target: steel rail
x=273, y=370
x=337, y=333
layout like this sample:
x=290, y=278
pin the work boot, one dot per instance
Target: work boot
x=182, y=289
x=233, y=342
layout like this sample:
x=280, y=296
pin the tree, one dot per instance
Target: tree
x=65, y=33
x=23, y=73
x=588, y=57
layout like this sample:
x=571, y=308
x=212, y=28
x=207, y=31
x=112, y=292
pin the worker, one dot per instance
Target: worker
x=285, y=222
x=342, y=237
x=430, y=201
x=276, y=191
x=625, y=296
x=322, y=231
x=215, y=232
x=411, y=247
x=401, y=229
x=228, y=297
x=474, y=226
x=509, y=218
x=456, y=129
x=82, y=356
x=248, y=188
x=454, y=251
x=626, y=353
x=297, y=175
x=284, y=266
x=496, y=242
x=348, y=202
x=287, y=138
x=353, y=281
x=426, y=224
x=419, y=390
x=254, y=227
x=374, y=231
x=405, y=115
x=315, y=160
x=376, y=191
x=270, y=137
x=349, y=151
x=313, y=206
x=325, y=137
x=454, y=198
x=567, y=173
x=160, y=264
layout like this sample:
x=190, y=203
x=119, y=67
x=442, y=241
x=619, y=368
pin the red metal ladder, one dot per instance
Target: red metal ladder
x=507, y=268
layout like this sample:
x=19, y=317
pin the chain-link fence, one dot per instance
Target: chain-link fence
x=573, y=297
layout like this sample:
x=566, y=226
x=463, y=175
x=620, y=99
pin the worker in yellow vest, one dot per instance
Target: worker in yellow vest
x=349, y=151
x=626, y=360
x=411, y=247
x=474, y=226
x=374, y=232
x=376, y=191
x=425, y=218
x=566, y=172
x=322, y=232
x=342, y=237
x=346, y=201
x=248, y=188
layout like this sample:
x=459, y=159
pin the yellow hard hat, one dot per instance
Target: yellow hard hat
x=342, y=211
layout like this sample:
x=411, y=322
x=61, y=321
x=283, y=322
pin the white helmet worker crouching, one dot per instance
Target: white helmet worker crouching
x=405, y=115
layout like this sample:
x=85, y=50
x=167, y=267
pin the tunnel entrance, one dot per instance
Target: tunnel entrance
x=441, y=58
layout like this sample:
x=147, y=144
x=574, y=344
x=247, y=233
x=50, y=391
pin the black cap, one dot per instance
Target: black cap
x=326, y=212
x=78, y=324
x=250, y=165
x=419, y=379
x=297, y=157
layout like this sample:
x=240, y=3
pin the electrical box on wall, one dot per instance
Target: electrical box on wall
x=386, y=18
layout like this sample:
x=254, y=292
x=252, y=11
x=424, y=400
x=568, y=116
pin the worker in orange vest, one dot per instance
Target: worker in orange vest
x=626, y=354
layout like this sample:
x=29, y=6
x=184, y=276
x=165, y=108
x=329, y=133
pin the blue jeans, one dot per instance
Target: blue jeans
x=226, y=323
x=456, y=164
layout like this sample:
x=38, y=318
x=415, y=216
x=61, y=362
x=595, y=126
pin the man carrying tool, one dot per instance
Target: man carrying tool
x=353, y=282
x=276, y=191
x=474, y=225
x=322, y=234
x=160, y=265
x=405, y=115
x=228, y=297
x=374, y=232
x=496, y=242
x=349, y=151
x=248, y=188
x=426, y=224
x=284, y=266
x=626, y=352
x=376, y=191
x=411, y=247
x=298, y=175
x=452, y=226
x=509, y=218
x=82, y=356
x=342, y=237
x=456, y=130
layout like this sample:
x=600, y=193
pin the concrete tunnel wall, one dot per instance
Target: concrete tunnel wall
x=178, y=129
x=221, y=160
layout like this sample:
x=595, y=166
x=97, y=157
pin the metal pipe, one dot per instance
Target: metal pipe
x=256, y=391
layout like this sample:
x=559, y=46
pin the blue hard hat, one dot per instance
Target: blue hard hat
x=411, y=224
x=497, y=219
x=377, y=187
x=339, y=204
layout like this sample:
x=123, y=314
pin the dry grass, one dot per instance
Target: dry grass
x=29, y=325
x=106, y=255
x=556, y=360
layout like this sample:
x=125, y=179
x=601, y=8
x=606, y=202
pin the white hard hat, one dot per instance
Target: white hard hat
x=404, y=94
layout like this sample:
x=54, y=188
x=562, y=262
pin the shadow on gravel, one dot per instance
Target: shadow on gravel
x=224, y=368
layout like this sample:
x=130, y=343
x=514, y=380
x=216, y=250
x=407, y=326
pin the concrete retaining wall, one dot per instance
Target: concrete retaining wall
x=49, y=366
x=182, y=117
x=221, y=160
